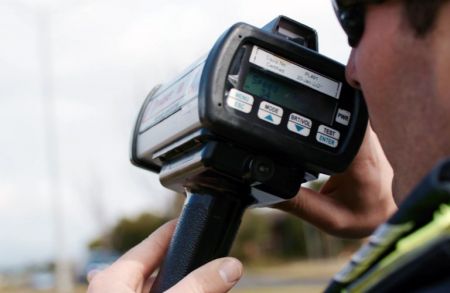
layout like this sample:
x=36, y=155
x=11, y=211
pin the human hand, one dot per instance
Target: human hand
x=131, y=273
x=353, y=203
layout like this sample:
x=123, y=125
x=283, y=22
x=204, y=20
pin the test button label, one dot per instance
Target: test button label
x=329, y=131
x=328, y=136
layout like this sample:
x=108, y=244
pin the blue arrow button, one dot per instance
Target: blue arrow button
x=269, y=118
x=299, y=128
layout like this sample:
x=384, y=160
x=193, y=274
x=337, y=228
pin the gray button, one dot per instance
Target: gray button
x=269, y=117
x=303, y=121
x=326, y=140
x=343, y=117
x=238, y=105
x=299, y=129
x=329, y=131
x=271, y=108
x=270, y=113
x=241, y=96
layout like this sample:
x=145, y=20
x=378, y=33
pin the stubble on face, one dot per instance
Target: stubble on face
x=397, y=75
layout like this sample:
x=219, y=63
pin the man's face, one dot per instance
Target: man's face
x=395, y=72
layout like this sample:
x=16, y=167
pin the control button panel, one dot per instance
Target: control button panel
x=270, y=113
x=240, y=101
x=343, y=117
x=299, y=124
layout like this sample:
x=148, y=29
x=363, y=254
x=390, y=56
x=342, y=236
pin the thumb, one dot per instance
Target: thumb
x=219, y=276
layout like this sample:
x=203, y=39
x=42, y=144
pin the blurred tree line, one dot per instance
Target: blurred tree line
x=263, y=236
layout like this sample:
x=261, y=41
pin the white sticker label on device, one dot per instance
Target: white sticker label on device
x=326, y=140
x=295, y=72
x=343, y=117
x=329, y=131
x=270, y=113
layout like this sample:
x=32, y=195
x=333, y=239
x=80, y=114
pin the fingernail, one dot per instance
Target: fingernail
x=230, y=270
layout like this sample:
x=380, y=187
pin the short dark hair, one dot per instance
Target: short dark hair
x=422, y=14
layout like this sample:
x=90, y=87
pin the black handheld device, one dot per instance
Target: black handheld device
x=246, y=126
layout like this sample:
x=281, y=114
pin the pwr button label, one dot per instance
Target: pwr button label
x=343, y=117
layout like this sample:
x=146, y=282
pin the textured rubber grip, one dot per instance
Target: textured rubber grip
x=205, y=231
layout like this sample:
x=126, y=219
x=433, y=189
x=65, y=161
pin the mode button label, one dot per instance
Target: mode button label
x=270, y=113
x=272, y=109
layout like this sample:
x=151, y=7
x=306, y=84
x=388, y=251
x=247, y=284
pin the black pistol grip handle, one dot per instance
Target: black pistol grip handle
x=205, y=231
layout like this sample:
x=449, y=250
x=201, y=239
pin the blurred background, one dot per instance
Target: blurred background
x=73, y=75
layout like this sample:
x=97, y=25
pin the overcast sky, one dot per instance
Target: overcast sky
x=106, y=55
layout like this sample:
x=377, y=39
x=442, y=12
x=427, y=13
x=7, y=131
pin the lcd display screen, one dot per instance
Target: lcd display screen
x=295, y=72
x=294, y=96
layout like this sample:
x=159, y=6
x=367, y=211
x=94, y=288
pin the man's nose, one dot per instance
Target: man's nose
x=351, y=73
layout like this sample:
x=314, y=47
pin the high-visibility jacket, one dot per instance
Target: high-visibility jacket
x=411, y=251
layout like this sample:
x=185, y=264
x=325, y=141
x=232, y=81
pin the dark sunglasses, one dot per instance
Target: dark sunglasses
x=351, y=15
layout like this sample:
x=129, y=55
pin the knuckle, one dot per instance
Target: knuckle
x=194, y=285
x=96, y=284
x=191, y=284
x=343, y=226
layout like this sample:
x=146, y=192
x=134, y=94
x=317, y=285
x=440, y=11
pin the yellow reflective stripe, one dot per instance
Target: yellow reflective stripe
x=407, y=249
